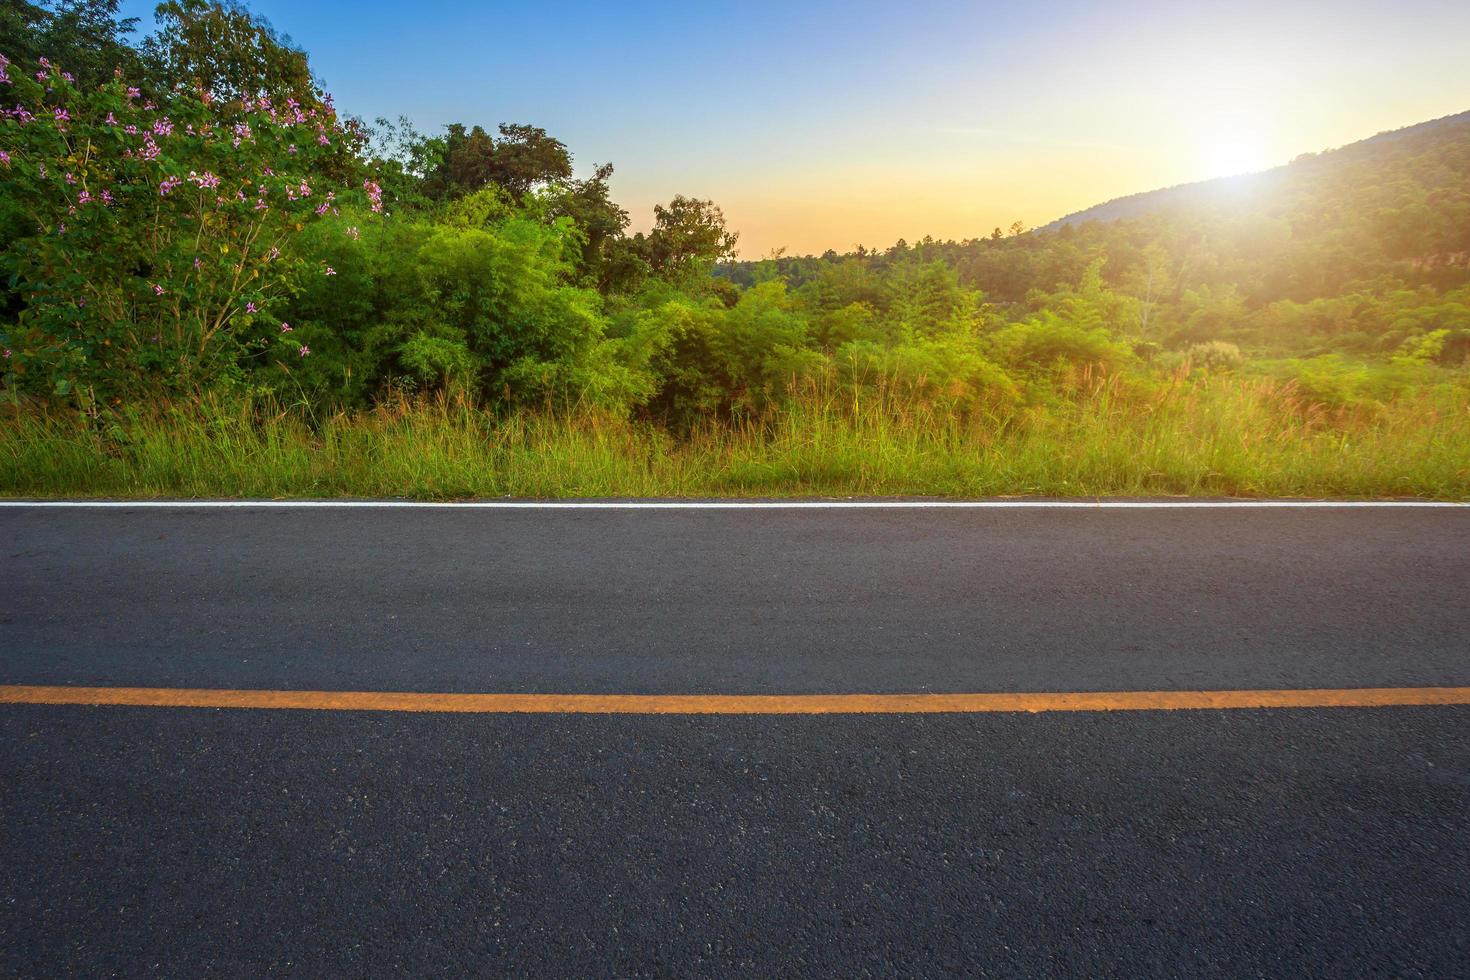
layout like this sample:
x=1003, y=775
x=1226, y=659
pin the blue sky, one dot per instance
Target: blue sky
x=823, y=124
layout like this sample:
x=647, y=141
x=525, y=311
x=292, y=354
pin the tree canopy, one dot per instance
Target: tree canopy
x=181, y=212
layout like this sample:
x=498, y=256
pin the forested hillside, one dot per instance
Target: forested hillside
x=1353, y=250
x=1394, y=149
x=192, y=233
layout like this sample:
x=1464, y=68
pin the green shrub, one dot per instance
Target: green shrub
x=1214, y=355
x=162, y=234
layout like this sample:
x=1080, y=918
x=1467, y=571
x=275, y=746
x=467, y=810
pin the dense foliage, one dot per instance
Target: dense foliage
x=186, y=218
x=1355, y=250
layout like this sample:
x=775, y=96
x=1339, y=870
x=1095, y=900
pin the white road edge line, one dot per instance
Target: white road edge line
x=745, y=504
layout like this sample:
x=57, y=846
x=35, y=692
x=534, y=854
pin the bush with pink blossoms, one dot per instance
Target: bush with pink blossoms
x=157, y=231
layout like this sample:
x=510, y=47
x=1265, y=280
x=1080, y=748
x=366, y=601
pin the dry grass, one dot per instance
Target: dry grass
x=1223, y=436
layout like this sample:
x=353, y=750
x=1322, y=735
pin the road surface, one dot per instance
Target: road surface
x=187, y=841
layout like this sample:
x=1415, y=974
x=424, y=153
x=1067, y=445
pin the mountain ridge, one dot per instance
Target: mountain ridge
x=1201, y=191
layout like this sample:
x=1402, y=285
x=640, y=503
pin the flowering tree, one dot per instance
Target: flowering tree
x=159, y=229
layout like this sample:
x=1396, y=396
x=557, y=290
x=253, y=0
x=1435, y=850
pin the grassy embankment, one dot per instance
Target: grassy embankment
x=1232, y=436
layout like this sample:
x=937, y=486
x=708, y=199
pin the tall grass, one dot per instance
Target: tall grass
x=1230, y=435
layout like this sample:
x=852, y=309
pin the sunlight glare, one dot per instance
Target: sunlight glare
x=1230, y=147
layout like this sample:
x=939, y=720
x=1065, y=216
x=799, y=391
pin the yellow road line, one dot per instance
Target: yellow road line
x=734, y=704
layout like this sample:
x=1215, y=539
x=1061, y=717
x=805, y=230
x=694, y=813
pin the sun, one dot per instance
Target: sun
x=1226, y=151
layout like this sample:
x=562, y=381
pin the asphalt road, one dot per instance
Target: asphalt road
x=735, y=602
x=189, y=842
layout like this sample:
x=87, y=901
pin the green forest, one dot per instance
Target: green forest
x=216, y=285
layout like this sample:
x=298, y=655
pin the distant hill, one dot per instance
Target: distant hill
x=1389, y=212
x=1259, y=187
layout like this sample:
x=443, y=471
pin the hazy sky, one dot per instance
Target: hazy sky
x=822, y=125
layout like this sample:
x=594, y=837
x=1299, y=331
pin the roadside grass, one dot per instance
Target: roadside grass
x=1224, y=436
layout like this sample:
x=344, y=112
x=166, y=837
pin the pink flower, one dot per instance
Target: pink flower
x=111, y=119
x=197, y=263
x=67, y=75
x=133, y=93
x=158, y=290
x=375, y=195
x=85, y=197
x=61, y=115
x=285, y=328
x=7, y=353
x=331, y=271
x=251, y=308
x=107, y=197
x=71, y=178
x=4, y=158
x=163, y=127
x=130, y=129
x=305, y=351
x=167, y=186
